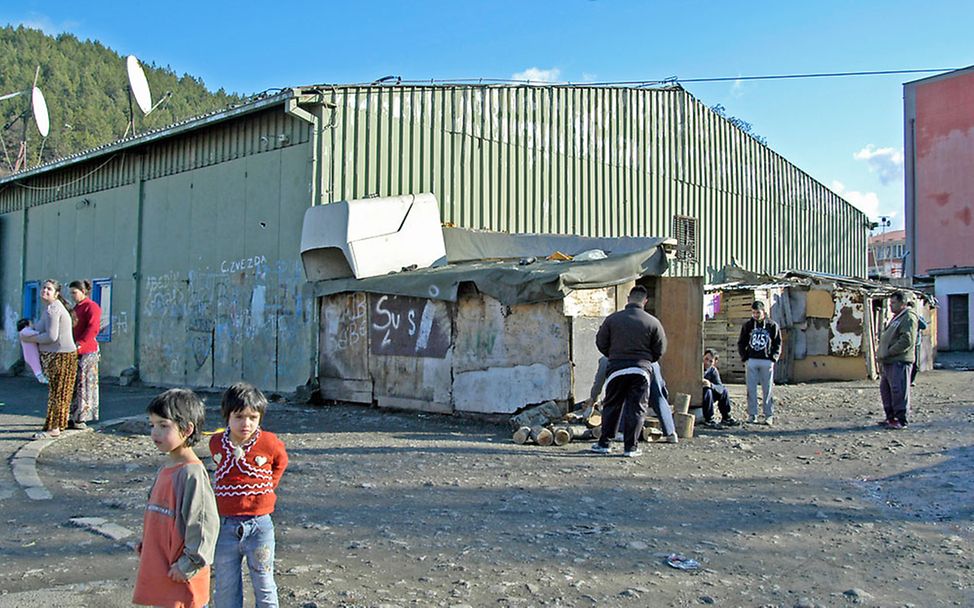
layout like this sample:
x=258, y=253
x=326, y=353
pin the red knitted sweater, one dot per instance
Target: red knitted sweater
x=244, y=482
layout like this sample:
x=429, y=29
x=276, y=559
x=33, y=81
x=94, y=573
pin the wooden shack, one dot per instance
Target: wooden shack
x=493, y=335
x=830, y=325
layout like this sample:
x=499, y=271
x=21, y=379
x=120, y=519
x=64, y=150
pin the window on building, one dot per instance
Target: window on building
x=685, y=233
x=101, y=293
x=32, y=292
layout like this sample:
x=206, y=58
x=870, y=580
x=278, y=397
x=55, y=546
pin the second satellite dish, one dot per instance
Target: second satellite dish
x=39, y=107
x=138, y=85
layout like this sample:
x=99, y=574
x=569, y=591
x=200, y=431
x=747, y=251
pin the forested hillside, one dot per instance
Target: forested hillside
x=85, y=83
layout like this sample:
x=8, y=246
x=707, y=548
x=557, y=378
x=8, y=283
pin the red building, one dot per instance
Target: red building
x=939, y=178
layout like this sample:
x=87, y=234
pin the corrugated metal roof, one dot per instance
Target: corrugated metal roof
x=252, y=105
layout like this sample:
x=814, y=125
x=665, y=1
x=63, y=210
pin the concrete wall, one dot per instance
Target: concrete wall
x=506, y=357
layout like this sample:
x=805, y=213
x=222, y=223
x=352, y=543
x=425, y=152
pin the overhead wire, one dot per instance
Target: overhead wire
x=677, y=79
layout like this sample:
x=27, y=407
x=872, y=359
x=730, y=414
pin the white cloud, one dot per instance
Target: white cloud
x=538, y=75
x=867, y=202
x=887, y=163
x=38, y=21
x=589, y=77
x=737, y=89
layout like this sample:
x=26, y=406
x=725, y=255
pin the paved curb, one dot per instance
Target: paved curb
x=24, y=461
x=102, y=526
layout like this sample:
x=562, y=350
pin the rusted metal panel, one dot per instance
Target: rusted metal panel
x=847, y=324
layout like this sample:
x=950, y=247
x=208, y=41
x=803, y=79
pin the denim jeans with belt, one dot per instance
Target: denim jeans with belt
x=251, y=538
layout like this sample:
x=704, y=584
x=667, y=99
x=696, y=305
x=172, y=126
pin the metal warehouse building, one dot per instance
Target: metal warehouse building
x=193, y=230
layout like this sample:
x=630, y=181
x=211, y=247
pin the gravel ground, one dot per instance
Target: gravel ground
x=400, y=509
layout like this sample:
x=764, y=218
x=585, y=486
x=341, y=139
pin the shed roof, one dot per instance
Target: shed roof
x=750, y=281
x=515, y=279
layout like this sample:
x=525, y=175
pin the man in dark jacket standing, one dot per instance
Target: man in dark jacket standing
x=897, y=354
x=633, y=340
x=759, y=346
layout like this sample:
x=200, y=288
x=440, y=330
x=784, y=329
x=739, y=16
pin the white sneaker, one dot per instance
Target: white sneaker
x=769, y=420
x=598, y=449
x=633, y=453
x=752, y=419
x=672, y=438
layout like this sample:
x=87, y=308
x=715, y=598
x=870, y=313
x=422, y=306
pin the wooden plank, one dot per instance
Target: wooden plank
x=419, y=405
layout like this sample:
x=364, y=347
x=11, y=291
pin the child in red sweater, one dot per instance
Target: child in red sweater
x=250, y=462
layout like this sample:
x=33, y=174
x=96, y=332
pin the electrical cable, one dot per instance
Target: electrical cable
x=678, y=80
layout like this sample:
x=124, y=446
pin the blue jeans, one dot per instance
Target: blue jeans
x=240, y=537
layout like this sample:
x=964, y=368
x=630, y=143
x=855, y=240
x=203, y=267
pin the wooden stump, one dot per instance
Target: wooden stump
x=594, y=420
x=542, y=436
x=652, y=434
x=580, y=432
x=522, y=435
x=562, y=436
x=681, y=404
x=684, y=425
x=653, y=423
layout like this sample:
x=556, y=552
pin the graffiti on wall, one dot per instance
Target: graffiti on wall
x=352, y=326
x=411, y=327
x=210, y=317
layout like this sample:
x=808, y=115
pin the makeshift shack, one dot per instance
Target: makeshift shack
x=830, y=325
x=509, y=321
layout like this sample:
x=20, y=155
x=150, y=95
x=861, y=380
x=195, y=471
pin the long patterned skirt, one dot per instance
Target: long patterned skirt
x=84, y=406
x=60, y=369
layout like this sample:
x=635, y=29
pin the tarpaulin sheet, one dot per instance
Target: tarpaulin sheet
x=509, y=282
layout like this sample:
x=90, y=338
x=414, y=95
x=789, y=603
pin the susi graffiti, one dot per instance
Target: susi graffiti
x=411, y=327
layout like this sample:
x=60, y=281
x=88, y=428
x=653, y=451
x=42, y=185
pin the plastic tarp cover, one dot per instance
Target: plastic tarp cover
x=509, y=282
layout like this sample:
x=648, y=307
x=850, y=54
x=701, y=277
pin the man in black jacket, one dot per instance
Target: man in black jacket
x=759, y=346
x=633, y=340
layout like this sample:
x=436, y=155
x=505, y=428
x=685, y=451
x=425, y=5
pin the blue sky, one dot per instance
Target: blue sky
x=845, y=132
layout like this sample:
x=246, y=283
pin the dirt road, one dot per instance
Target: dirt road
x=395, y=509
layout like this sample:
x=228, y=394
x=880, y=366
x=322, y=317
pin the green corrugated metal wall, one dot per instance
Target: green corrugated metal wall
x=590, y=161
x=220, y=289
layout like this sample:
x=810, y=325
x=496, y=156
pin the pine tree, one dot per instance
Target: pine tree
x=84, y=83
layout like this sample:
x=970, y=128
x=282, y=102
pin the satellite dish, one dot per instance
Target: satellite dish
x=39, y=107
x=138, y=85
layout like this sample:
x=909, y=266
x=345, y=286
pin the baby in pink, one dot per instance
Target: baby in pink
x=32, y=356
